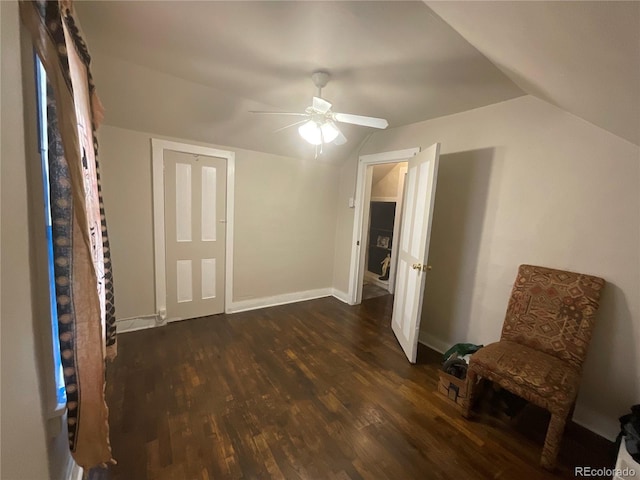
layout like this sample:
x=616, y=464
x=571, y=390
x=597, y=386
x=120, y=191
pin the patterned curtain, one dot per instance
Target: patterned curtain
x=83, y=278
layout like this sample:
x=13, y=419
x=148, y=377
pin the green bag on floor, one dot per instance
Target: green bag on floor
x=461, y=349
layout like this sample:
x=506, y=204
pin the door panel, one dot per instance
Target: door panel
x=195, y=205
x=414, y=248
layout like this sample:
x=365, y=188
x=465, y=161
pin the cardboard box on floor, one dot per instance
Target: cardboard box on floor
x=454, y=388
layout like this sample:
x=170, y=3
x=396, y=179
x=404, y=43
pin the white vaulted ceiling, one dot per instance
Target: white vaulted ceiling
x=193, y=70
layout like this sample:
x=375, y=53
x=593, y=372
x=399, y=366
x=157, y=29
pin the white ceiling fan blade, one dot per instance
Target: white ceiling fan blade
x=321, y=105
x=361, y=120
x=289, y=126
x=280, y=113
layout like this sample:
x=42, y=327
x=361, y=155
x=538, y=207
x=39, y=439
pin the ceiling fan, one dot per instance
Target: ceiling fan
x=318, y=126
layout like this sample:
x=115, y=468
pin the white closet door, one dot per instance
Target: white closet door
x=195, y=197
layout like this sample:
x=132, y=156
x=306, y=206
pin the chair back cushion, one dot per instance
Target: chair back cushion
x=553, y=311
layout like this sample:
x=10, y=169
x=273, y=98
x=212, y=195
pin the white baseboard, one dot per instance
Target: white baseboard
x=133, y=324
x=340, y=295
x=433, y=342
x=256, y=303
x=596, y=422
x=142, y=322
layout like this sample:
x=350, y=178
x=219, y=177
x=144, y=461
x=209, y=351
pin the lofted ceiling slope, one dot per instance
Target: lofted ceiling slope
x=582, y=56
x=193, y=70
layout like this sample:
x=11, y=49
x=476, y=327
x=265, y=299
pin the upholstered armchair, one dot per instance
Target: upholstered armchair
x=543, y=344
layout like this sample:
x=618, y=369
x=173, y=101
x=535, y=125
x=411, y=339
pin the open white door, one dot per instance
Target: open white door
x=414, y=248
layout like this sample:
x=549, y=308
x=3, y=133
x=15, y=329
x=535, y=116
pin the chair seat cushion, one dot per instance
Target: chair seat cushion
x=536, y=376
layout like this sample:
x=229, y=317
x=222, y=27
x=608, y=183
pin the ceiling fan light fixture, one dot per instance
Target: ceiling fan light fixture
x=319, y=125
x=316, y=133
x=310, y=131
x=329, y=131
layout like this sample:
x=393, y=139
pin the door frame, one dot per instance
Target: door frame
x=158, y=146
x=363, y=186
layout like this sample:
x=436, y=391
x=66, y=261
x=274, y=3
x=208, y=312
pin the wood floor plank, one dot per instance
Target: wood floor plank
x=313, y=390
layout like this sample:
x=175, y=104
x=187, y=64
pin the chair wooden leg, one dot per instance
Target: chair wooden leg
x=552, y=441
x=472, y=378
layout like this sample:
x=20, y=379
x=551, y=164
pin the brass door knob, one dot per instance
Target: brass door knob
x=419, y=266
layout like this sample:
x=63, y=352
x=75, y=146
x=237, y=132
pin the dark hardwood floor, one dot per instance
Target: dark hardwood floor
x=313, y=390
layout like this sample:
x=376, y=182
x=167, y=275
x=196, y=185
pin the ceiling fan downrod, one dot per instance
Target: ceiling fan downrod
x=320, y=79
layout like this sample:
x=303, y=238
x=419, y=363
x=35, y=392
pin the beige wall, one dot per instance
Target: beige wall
x=284, y=225
x=23, y=441
x=387, y=186
x=284, y=221
x=125, y=164
x=524, y=182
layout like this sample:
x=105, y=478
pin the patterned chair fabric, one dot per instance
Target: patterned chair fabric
x=544, y=341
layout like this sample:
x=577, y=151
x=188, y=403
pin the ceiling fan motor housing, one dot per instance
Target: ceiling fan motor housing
x=320, y=78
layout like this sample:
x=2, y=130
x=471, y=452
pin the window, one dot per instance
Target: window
x=41, y=91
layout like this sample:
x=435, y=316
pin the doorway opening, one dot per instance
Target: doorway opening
x=383, y=228
x=413, y=244
x=362, y=214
